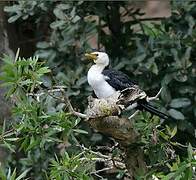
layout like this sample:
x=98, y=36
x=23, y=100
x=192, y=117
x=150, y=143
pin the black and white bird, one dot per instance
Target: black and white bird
x=106, y=81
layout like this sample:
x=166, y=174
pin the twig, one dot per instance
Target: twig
x=95, y=159
x=63, y=98
x=98, y=176
x=101, y=157
x=136, y=20
x=134, y=114
x=182, y=145
x=93, y=152
x=152, y=19
x=49, y=92
x=161, y=163
x=66, y=100
x=101, y=170
x=71, y=109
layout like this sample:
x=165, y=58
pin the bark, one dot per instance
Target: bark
x=114, y=25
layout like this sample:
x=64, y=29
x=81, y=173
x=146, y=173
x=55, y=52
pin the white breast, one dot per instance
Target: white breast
x=97, y=81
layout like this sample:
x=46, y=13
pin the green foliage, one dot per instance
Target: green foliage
x=181, y=169
x=22, y=75
x=12, y=175
x=71, y=167
x=43, y=135
x=40, y=124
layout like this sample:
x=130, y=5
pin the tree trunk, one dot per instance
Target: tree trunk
x=4, y=49
x=5, y=112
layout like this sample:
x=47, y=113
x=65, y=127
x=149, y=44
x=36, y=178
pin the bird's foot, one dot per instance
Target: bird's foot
x=155, y=97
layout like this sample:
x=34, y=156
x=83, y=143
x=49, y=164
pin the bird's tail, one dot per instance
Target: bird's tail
x=152, y=110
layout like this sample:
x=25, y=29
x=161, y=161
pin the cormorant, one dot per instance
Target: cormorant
x=106, y=81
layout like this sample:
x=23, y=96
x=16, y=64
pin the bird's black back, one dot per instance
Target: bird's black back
x=118, y=80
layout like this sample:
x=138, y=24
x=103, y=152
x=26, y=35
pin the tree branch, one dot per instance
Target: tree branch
x=103, y=115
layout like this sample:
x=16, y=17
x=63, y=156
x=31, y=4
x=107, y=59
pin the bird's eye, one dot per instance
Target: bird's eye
x=96, y=55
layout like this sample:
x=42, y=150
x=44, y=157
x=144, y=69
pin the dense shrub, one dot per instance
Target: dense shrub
x=44, y=141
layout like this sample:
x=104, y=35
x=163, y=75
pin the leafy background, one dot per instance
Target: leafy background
x=43, y=141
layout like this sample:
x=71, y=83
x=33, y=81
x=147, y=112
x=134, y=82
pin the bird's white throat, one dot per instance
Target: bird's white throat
x=97, y=81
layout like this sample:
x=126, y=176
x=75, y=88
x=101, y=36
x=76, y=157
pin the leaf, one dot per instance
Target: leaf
x=175, y=54
x=154, y=68
x=43, y=45
x=13, y=8
x=33, y=143
x=73, y=12
x=26, y=82
x=176, y=114
x=81, y=81
x=173, y=133
x=59, y=13
x=14, y=18
x=167, y=79
x=8, y=146
x=190, y=152
x=177, y=173
x=43, y=70
x=194, y=111
x=187, y=89
x=57, y=24
x=76, y=18
x=139, y=58
x=164, y=136
x=63, y=6
x=77, y=121
x=47, y=82
x=2, y=174
x=23, y=174
x=22, y=62
x=12, y=139
x=165, y=94
x=189, y=173
x=186, y=58
x=8, y=134
x=180, y=77
x=13, y=176
x=80, y=131
x=8, y=60
x=180, y=102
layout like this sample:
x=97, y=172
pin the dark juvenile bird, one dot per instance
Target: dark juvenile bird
x=105, y=82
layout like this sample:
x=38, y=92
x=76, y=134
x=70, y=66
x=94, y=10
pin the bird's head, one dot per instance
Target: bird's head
x=100, y=58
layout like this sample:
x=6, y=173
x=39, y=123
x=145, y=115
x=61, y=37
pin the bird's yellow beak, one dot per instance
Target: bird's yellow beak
x=91, y=56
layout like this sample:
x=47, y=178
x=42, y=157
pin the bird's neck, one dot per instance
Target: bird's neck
x=98, y=67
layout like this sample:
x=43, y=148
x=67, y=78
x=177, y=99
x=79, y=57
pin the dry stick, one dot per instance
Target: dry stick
x=107, y=159
x=71, y=109
x=101, y=170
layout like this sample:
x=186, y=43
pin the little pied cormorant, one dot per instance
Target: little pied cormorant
x=105, y=82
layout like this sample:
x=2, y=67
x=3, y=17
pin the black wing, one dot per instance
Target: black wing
x=120, y=81
x=117, y=79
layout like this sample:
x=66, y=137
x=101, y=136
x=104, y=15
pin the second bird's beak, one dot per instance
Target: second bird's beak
x=90, y=56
